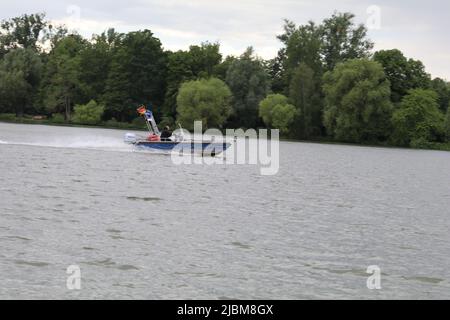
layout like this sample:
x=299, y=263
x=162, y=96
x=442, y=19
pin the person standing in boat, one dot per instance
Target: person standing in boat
x=166, y=134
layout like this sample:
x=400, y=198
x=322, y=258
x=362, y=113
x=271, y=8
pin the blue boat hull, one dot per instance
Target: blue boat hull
x=212, y=148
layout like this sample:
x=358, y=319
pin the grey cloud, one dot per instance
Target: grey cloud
x=418, y=28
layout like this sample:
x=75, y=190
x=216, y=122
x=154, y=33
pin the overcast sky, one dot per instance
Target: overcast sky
x=419, y=28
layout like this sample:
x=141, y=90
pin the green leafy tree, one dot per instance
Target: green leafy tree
x=54, y=34
x=304, y=92
x=220, y=70
x=178, y=71
x=90, y=113
x=404, y=74
x=249, y=83
x=357, y=102
x=20, y=74
x=13, y=88
x=204, y=58
x=25, y=32
x=116, y=98
x=343, y=40
x=418, y=121
x=276, y=112
x=199, y=62
x=62, y=84
x=442, y=88
x=304, y=44
x=417, y=74
x=310, y=50
x=283, y=116
x=266, y=106
x=447, y=123
x=95, y=63
x=206, y=100
x=137, y=75
x=276, y=71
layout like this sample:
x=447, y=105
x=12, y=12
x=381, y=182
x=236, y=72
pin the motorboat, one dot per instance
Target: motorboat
x=175, y=143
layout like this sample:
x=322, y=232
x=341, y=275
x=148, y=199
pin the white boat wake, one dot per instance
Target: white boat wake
x=92, y=143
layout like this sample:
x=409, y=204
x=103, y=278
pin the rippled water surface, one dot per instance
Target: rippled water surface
x=141, y=227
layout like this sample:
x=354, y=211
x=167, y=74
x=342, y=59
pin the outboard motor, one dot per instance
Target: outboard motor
x=130, y=138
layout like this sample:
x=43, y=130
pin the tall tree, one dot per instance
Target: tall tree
x=22, y=32
x=442, y=88
x=276, y=71
x=178, y=71
x=447, y=123
x=403, y=73
x=116, y=97
x=20, y=74
x=249, y=83
x=304, y=92
x=303, y=45
x=95, y=61
x=137, y=75
x=54, y=34
x=357, y=102
x=343, y=40
x=204, y=58
x=62, y=79
x=309, y=51
x=220, y=70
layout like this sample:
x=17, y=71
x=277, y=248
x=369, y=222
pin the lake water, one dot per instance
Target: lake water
x=139, y=226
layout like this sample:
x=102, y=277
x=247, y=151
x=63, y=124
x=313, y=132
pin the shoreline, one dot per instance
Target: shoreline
x=129, y=126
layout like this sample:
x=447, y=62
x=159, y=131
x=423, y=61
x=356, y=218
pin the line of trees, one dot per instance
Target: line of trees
x=324, y=83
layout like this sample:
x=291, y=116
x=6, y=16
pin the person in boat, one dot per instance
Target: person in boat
x=166, y=133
